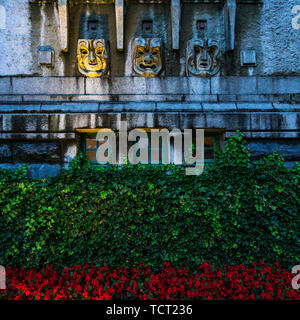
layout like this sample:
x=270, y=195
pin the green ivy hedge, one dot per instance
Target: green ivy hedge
x=235, y=212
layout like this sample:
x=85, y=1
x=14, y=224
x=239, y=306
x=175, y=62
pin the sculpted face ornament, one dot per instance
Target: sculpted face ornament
x=202, y=58
x=92, y=57
x=147, y=57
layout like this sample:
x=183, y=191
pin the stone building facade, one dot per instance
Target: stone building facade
x=218, y=65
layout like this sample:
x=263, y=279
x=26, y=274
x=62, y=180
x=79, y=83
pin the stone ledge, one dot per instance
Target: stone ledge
x=149, y=86
x=37, y=136
x=234, y=85
x=217, y=107
x=20, y=108
x=49, y=125
x=278, y=85
x=118, y=85
x=178, y=85
x=29, y=152
x=69, y=108
x=5, y=85
x=170, y=106
x=127, y=107
x=180, y=107
x=47, y=85
x=255, y=106
x=121, y=98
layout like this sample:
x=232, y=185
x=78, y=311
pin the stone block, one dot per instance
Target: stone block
x=20, y=108
x=42, y=171
x=228, y=121
x=217, y=107
x=184, y=107
x=47, y=85
x=5, y=153
x=24, y=123
x=198, y=85
x=275, y=121
x=178, y=85
x=8, y=99
x=200, y=98
x=70, y=108
x=127, y=107
x=116, y=85
x=192, y=121
x=233, y=85
x=286, y=107
x=254, y=106
x=227, y=98
x=5, y=85
x=36, y=152
x=290, y=149
x=69, y=122
x=278, y=85
x=69, y=151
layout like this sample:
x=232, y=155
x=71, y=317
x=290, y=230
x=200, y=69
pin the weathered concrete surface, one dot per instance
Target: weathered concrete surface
x=116, y=88
x=289, y=148
x=207, y=115
x=36, y=152
x=265, y=28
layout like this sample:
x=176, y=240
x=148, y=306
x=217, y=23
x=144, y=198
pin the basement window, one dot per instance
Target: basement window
x=90, y=145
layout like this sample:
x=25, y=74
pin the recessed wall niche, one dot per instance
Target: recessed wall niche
x=93, y=21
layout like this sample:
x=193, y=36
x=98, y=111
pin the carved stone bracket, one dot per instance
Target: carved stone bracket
x=230, y=16
x=120, y=11
x=63, y=24
x=176, y=15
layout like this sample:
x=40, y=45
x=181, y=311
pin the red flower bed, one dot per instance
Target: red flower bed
x=259, y=281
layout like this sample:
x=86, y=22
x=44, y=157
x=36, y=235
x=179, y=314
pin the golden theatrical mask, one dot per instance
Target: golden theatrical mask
x=202, y=58
x=147, y=57
x=92, y=57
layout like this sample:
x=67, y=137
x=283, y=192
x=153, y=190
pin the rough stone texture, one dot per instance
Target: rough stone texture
x=233, y=85
x=16, y=35
x=178, y=85
x=278, y=85
x=228, y=89
x=69, y=151
x=255, y=106
x=5, y=153
x=265, y=28
x=25, y=108
x=69, y=108
x=37, y=136
x=279, y=41
x=39, y=115
x=219, y=107
x=47, y=85
x=36, y=152
x=184, y=107
x=18, y=123
x=290, y=149
x=5, y=87
x=127, y=107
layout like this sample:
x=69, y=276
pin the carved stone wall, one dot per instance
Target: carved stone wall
x=44, y=98
x=265, y=28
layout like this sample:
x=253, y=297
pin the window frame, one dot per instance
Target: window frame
x=216, y=135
